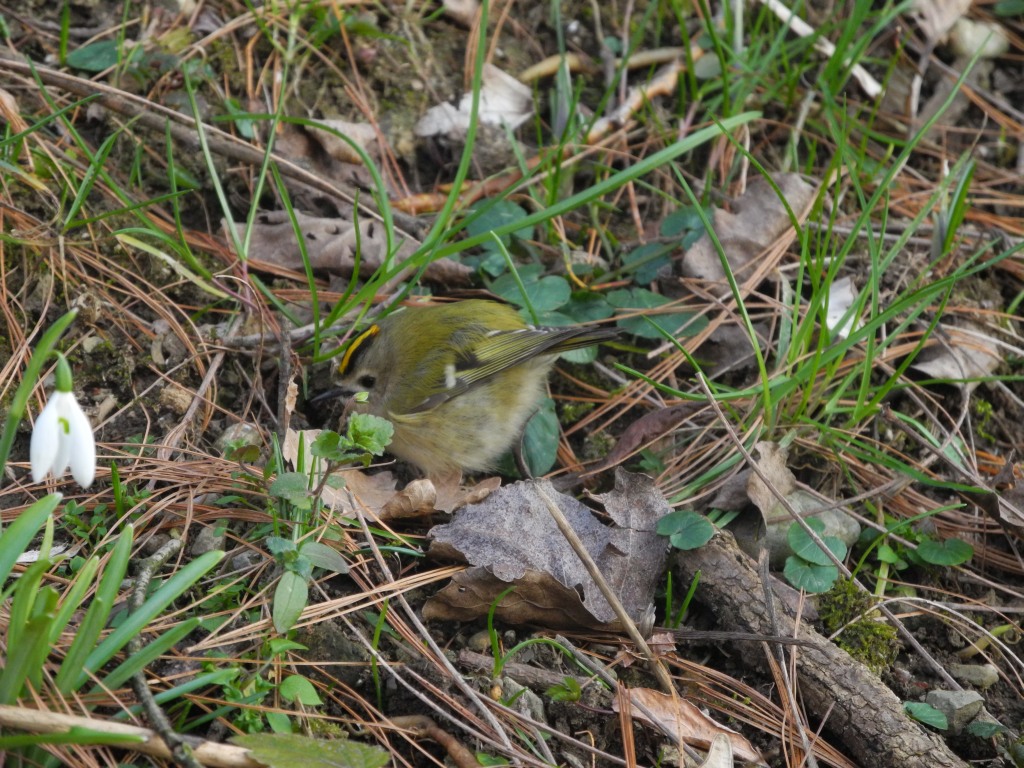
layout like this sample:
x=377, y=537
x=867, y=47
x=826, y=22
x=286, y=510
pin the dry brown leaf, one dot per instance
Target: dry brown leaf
x=645, y=430
x=537, y=600
x=512, y=538
x=331, y=244
x=10, y=112
x=451, y=498
x=415, y=500
x=361, y=490
x=961, y=353
x=757, y=220
x=378, y=494
x=1005, y=504
x=937, y=17
x=772, y=459
x=680, y=719
x=291, y=397
x=329, y=156
x=362, y=135
x=719, y=753
x=422, y=497
x=503, y=101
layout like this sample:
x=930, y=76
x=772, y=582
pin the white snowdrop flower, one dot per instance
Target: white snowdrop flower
x=63, y=438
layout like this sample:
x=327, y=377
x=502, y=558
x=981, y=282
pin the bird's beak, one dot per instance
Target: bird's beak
x=336, y=393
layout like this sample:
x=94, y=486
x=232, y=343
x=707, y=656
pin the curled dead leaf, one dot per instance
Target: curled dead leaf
x=503, y=101
x=362, y=135
x=680, y=719
x=377, y=493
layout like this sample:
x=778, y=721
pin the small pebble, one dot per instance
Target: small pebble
x=979, y=676
x=959, y=707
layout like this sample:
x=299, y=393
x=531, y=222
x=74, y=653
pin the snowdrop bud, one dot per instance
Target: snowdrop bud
x=62, y=436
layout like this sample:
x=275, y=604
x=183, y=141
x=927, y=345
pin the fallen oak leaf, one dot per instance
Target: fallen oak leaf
x=512, y=538
x=332, y=245
x=757, y=220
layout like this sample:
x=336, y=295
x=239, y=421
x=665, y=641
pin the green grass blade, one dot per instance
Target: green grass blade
x=171, y=590
x=15, y=540
x=137, y=662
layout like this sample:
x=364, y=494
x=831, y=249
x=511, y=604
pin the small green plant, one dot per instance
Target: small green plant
x=92, y=526
x=568, y=690
x=298, y=560
x=246, y=690
x=809, y=567
x=366, y=436
x=892, y=554
x=984, y=409
x=500, y=658
x=297, y=498
x=686, y=529
x=675, y=618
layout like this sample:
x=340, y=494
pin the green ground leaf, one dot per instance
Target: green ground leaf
x=686, y=529
x=543, y=294
x=279, y=722
x=298, y=688
x=945, y=552
x=886, y=554
x=540, y=439
x=646, y=260
x=370, y=433
x=926, y=714
x=588, y=307
x=646, y=324
x=323, y=556
x=497, y=215
x=292, y=487
x=808, y=576
x=291, y=750
x=804, y=547
x=95, y=57
x=985, y=729
x=290, y=597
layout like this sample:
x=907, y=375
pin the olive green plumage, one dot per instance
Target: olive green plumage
x=458, y=381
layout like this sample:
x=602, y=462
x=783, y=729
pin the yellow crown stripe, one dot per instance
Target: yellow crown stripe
x=357, y=342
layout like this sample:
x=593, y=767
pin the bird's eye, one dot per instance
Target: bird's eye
x=366, y=381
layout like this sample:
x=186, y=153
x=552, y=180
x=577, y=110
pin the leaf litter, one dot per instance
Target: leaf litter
x=186, y=488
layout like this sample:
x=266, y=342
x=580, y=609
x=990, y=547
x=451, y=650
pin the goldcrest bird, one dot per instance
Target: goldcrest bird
x=458, y=381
